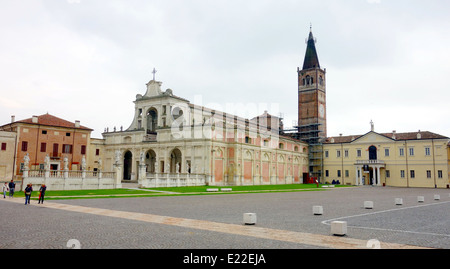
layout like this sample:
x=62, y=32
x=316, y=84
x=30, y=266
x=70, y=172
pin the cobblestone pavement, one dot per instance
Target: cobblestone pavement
x=284, y=221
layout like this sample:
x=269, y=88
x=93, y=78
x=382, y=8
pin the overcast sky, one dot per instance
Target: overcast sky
x=386, y=60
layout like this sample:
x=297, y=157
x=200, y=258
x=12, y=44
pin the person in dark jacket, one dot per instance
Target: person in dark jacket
x=11, y=186
x=42, y=193
x=28, y=191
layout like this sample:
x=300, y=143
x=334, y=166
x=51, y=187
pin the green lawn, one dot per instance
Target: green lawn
x=169, y=191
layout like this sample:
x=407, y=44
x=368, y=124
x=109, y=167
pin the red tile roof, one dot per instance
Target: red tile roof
x=50, y=120
x=398, y=136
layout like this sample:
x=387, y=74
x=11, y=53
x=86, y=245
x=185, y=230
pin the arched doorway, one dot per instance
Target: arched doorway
x=175, y=161
x=150, y=160
x=372, y=153
x=152, y=120
x=127, y=165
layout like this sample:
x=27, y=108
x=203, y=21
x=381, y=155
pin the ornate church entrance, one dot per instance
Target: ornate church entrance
x=127, y=165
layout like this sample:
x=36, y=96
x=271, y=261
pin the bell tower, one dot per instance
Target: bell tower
x=312, y=112
x=312, y=116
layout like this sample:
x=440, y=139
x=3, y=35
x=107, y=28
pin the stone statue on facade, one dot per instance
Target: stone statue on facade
x=26, y=161
x=117, y=157
x=83, y=163
x=66, y=163
x=47, y=162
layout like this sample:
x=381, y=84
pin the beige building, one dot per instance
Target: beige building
x=7, y=153
x=415, y=159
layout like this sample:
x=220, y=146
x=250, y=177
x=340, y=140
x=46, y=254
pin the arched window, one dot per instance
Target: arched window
x=372, y=153
x=308, y=80
x=152, y=120
x=321, y=81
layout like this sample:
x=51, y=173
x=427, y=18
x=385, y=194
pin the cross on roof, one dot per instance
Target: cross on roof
x=154, y=73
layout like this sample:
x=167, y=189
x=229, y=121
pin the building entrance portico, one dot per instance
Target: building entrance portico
x=370, y=170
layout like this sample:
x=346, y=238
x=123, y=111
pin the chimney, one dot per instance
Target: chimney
x=393, y=134
x=77, y=124
x=13, y=119
x=34, y=119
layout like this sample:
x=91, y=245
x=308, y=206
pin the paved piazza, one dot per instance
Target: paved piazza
x=284, y=221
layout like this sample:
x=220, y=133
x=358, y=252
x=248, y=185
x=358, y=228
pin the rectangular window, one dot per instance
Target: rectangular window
x=346, y=153
x=327, y=173
x=338, y=153
x=358, y=153
x=67, y=134
x=402, y=151
x=428, y=173
x=43, y=147
x=411, y=151
x=97, y=152
x=3, y=146
x=326, y=153
x=412, y=173
x=339, y=173
x=386, y=152
x=439, y=173
x=347, y=173
x=55, y=150
x=44, y=132
x=247, y=140
x=388, y=173
x=67, y=149
x=427, y=151
x=83, y=150
x=24, y=145
x=402, y=173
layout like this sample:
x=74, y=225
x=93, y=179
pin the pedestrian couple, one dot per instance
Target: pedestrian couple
x=11, y=186
x=29, y=190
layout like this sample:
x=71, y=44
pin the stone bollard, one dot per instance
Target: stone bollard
x=437, y=197
x=339, y=228
x=317, y=210
x=420, y=199
x=250, y=218
x=398, y=201
x=368, y=204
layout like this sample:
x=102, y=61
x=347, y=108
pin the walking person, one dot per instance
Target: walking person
x=42, y=193
x=28, y=191
x=4, y=189
x=12, y=186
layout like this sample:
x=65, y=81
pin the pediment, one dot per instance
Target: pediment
x=372, y=137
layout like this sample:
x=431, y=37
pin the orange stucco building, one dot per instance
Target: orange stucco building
x=44, y=135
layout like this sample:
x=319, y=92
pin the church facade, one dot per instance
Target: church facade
x=173, y=142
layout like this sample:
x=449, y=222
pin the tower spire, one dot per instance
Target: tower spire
x=311, y=58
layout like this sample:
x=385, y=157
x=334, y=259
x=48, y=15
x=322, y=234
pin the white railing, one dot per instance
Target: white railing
x=156, y=180
x=71, y=180
x=363, y=162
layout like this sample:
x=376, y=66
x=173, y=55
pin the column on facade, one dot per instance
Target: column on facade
x=360, y=176
x=378, y=176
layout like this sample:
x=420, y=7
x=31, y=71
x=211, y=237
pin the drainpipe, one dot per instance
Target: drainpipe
x=434, y=164
x=407, y=171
